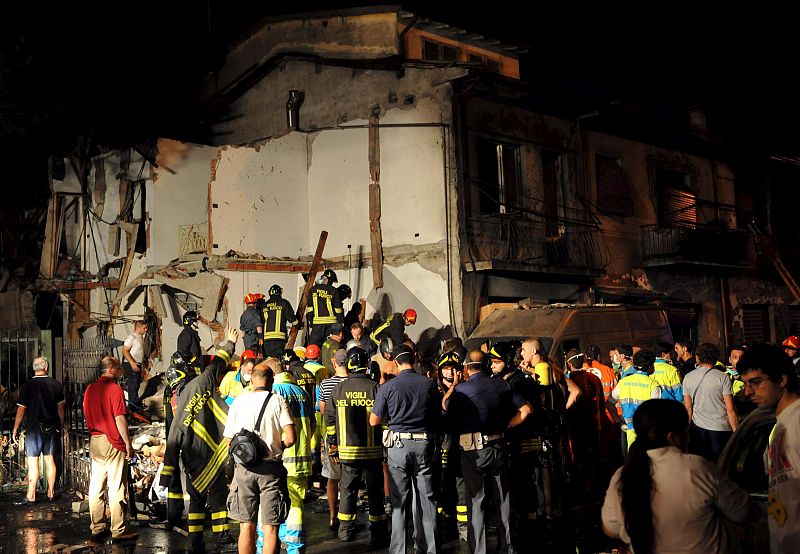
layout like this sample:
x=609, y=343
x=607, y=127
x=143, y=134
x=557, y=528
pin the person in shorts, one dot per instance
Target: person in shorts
x=41, y=408
x=262, y=486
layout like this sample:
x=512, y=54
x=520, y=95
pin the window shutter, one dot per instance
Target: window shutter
x=613, y=190
x=756, y=323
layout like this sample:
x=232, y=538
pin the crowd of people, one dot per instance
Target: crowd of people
x=501, y=435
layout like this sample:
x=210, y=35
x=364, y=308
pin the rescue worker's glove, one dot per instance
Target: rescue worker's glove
x=333, y=453
x=163, y=480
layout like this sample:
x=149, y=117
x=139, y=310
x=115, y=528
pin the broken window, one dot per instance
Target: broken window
x=613, y=187
x=677, y=202
x=438, y=52
x=555, y=202
x=498, y=176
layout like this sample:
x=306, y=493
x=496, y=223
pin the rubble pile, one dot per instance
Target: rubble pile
x=149, y=446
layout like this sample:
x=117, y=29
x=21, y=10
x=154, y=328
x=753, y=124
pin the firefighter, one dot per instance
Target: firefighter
x=394, y=327
x=451, y=492
x=358, y=447
x=251, y=324
x=183, y=368
x=324, y=308
x=296, y=458
x=279, y=316
x=523, y=440
x=196, y=439
x=331, y=345
x=189, y=338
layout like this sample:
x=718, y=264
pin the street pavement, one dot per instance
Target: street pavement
x=53, y=527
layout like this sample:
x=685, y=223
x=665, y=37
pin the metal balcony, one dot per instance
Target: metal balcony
x=521, y=242
x=664, y=245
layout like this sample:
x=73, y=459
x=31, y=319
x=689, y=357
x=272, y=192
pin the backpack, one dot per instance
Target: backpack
x=247, y=447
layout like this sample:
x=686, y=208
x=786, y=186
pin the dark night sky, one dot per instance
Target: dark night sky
x=126, y=72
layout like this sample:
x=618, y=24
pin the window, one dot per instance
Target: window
x=498, y=176
x=794, y=320
x=755, y=320
x=553, y=172
x=488, y=63
x=613, y=188
x=677, y=203
x=438, y=52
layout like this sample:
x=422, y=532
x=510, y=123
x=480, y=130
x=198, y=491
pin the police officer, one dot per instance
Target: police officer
x=358, y=448
x=524, y=443
x=189, y=338
x=452, y=493
x=482, y=409
x=409, y=405
x=196, y=439
x=251, y=323
x=394, y=327
x=324, y=308
x=279, y=316
x=296, y=458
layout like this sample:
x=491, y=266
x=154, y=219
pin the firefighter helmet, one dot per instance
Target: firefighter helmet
x=357, y=360
x=352, y=343
x=178, y=373
x=452, y=359
x=503, y=351
x=189, y=318
x=386, y=346
x=247, y=355
x=289, y=356
x=253, y=298
x=345, y=292
x=410, y=316
x=330, y=275
x=312, y=352
x=792, y=342
x=275, y=290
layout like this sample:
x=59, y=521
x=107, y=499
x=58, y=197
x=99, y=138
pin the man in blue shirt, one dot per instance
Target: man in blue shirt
x=481, y=409
x=409, y=403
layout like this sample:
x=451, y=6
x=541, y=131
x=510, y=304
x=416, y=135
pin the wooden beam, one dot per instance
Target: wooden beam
x=301, y=307
x=376, y=238
x=278, y=267
x=130, y=243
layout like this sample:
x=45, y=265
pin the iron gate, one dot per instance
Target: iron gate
x=81, y=367
x=18, y=349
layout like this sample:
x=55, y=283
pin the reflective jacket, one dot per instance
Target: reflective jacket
x=394, y=327
x=324, y=305
x=347, y=416
x=196, y=433
x=278, y=316
x=297, y=458
x=232, y=386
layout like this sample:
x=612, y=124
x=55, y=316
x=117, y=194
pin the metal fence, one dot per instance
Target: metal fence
x=81, y=367
x=18, y=349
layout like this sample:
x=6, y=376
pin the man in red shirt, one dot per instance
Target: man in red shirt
x=110, y=449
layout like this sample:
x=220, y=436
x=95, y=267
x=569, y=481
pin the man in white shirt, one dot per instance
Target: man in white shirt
x=262, y=486
x=133, y=364
x=771, y=382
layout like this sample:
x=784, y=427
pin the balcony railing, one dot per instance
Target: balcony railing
x=700, y=244
x=517, y=238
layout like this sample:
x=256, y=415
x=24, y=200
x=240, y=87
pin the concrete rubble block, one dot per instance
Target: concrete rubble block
x=207, y=286
x=56, y=548
x=79, y=548
x=80, y=506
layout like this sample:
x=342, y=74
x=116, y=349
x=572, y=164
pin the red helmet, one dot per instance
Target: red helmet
x=247, y=355
x=410, y=315
x=792, y=342
x=252, y=298
x=312, y=352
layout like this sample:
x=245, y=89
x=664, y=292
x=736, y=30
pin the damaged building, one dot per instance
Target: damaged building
x=445, y=182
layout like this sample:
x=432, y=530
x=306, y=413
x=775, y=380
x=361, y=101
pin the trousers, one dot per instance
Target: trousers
x=411, y=472
x=488, y=465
